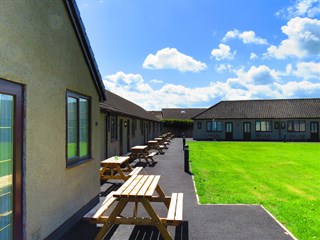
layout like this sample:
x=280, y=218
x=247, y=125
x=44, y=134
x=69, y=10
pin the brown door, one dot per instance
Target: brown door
x=11, y=128
x=247, y=131
x=229, y=131
x=314, y=131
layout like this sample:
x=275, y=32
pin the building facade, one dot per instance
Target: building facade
x=124, y=125
x=50, y=90
x=260, y=120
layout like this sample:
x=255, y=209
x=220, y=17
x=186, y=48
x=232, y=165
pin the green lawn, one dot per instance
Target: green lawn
x=283, y=177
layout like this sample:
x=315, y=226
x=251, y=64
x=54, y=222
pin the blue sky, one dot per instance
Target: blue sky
x=195, y=53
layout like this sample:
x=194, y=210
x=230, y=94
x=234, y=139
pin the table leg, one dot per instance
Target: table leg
x=119, y=170
x=162, y=196
x=161, y=227
x=108, y=224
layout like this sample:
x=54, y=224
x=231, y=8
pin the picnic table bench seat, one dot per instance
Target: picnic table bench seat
x=174, y=217
x=135, y=171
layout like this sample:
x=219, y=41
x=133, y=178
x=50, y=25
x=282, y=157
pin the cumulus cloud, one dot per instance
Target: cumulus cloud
x=224, y=68
x=301, y=8
x=253, y=83
x=303, y=39
x=171, y=58
x=253, y=56
x=223, y=52
x=247, y=37
x=156, y=81
x=307, y=70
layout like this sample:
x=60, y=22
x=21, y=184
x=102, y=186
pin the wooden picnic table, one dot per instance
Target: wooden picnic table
x=162, y=141
x=153, y=144
x=142, y=152
x=139, y=189
x=111, y=168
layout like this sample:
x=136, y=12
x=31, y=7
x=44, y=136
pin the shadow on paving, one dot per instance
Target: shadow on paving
x=201, y=222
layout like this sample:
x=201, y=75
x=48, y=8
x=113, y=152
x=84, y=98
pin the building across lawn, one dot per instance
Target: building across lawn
x=260, y=120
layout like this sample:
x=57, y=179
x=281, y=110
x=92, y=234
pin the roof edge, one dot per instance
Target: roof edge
x=83, y=39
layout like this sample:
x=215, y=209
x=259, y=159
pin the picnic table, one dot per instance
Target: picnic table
x=153, y=144
x=162, y=141
x=111, y=168
x=138, y=189
x=142, y=152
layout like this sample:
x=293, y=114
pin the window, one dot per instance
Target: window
x=283, y=125
x=199, y=125
x=78, y=128
x=276, y=125
x=217, y=126
x=142, y=127
x=114, y=127
x=296, y=126
x=209, y=126
x=263, y=126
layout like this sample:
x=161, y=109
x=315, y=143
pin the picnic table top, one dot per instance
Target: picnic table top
x=113, y=159
x=153, y=141
x=139, y=147
x=158, y=139
x=142, y=186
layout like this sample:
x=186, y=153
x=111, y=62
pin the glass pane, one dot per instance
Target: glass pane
x=6, y=165
x=302, y=126
x=258, y=128
x=72, y=127
x=84, y=127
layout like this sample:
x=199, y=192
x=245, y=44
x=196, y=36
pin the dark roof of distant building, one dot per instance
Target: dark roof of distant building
x=84, y=43
x=157, y=114
x=180, y=113
x=263, y=109
x=123, y=106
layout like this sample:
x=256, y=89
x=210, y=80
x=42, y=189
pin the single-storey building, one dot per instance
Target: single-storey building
x=167, y=115
x=50, y=90
x=124, y=124
x=267, y=120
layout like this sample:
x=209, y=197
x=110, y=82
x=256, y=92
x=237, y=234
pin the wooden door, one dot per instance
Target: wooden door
x=314, y=131
x=229, y=131
x=247, y=131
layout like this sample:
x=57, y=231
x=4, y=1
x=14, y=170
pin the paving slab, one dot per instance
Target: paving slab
x=205, y=222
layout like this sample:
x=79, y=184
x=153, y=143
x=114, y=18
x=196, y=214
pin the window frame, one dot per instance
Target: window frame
x=74, y=161
x=199, y=125
x=293, y=124
x=217, y=126
x=260, y=125
x=209, y=126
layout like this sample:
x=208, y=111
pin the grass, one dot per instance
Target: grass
x=283, y=177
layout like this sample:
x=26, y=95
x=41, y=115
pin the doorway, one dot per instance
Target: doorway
x=247, y=131
x=229, y=131
x=121, y=138
x=11, y=147
x=314, y=131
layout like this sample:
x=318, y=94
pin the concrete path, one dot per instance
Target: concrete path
x=205, y=222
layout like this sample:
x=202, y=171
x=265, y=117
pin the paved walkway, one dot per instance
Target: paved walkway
x=203, y=222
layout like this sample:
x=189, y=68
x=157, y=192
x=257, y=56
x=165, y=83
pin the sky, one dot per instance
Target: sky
x=196, y=53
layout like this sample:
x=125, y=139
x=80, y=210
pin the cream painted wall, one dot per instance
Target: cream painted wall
x=38, y=48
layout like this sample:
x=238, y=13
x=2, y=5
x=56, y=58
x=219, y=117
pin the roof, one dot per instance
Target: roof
x=157, y=114
x=259, y=109
x=123, y=106
x=80, y=31
x=181, y=113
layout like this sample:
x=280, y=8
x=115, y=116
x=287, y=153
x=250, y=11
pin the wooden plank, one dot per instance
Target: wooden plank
x=179, y=208
x=153, y=186
x=138, y=186
x=145, y=187
x=93, y=211
x=103, y=208
x=129, y=188
x=124, y=186
x=172, y=207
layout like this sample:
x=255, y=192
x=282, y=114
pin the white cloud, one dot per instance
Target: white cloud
x=156, y=81
x=301, y=8
x=303, y=39
x=308, y=70
x=247, y=37
x=253, y=56
x=224, y=68
x=223, y=52
x=171, y=58
x=257, y=82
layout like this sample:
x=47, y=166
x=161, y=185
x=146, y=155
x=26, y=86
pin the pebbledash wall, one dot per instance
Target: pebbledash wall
x=39, y=49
